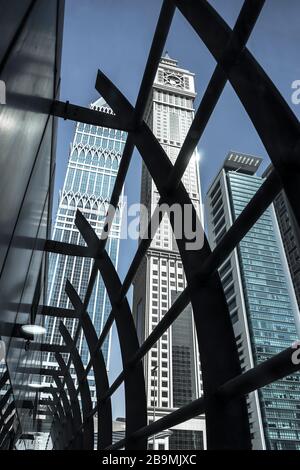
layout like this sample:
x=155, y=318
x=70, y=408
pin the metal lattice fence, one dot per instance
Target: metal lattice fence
x=224, y=384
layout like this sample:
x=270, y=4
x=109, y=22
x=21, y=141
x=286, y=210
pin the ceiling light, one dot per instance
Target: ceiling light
x=33, y=330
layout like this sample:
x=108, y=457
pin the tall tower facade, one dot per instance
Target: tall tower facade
x=261, y=300
x=290, y=233
x=172, y=367
x=92, y=168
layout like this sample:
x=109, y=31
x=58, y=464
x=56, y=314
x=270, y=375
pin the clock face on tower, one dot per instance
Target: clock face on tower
x=173, y=79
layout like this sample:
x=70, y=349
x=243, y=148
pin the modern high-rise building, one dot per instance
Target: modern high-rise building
x=261, y=300
x=94, y=160
x=172, y=367
x=290, y=234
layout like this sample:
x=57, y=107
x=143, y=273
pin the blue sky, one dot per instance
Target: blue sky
x=115, y=36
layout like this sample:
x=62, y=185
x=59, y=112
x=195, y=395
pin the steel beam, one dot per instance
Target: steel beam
x=94, y=117
x=274, y=121
x=86, y=402
x=104, y=434
x=265, y=373
x=135, y=395
x=74, y=402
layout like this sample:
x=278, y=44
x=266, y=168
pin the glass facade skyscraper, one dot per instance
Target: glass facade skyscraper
x=290, y=233
x=92, y=168
x=260, y=298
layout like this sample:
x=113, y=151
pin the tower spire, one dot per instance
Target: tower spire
x=166, y=59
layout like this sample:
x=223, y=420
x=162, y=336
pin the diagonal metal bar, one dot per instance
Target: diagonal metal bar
x=240, y=34
x=63, y=248
x=51, y=311
x=45, y=347
x=60, y=394
x=74, y=403
x=5, y=430
x=86, y=402
x=59, y=419
x=57, y=431
x=135, y=395
x=274, y=121
x=265, y=373
x=90, y=116
x=104, y=436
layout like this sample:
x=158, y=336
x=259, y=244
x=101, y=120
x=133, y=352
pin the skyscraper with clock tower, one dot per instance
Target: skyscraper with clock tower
x=172, y=367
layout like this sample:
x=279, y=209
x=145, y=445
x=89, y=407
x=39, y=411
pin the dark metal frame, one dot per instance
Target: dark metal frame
x=225, y=386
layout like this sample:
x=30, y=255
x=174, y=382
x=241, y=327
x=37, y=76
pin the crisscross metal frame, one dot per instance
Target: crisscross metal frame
x=224, y=384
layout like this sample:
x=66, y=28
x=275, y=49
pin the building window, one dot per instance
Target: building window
x=182, y=439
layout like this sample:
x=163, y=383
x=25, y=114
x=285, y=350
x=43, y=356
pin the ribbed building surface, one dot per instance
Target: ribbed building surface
x=92, y=168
